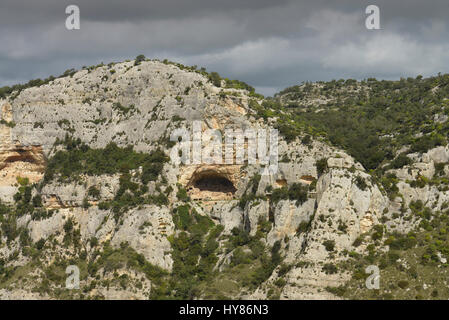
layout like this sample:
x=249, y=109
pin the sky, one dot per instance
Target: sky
x=268, y=44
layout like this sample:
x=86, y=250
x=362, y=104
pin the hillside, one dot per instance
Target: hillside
x=87, y=179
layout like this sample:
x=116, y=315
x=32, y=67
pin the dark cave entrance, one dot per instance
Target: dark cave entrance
x=211, y=185
x=214, y=184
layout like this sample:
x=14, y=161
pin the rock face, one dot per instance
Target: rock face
x=16, y=159
x=288, y=217
x=152, y=225
x=339, y=213
x=253, y=214
x=140, y=105
x=63, y=195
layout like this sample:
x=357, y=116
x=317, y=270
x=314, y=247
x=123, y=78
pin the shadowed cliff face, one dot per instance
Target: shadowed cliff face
x=17, y=160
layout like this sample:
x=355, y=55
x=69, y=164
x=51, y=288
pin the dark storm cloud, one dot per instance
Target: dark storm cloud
x=41, y=11
x=269, y=44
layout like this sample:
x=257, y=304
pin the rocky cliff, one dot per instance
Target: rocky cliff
x=87, y=180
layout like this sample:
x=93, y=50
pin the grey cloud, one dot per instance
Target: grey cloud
x=269, y=44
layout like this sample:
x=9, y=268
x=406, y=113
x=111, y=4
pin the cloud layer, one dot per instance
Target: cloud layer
x=269, y=44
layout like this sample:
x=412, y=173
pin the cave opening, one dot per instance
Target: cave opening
x=214, y=184
x=22, y=156
x=210, y=185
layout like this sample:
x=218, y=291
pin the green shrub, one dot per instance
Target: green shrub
x=280, y=283
x=321, y=166
x=139, y=59
x=68, y=226
x=182, y=218
x=425, y=143
x=338, y=291
x=93, y=242
x=306, y=140
x=296, y=192
x=182, y=195
x=93, y=192
x=37, y=201
x=239, y=237
x=358, y=241
x=329, y=245
x=215, y=78
x=361, y=183
x=104, y=205
x=378, y=232
x=400, y=161
x=40, y=244
x=403, y=284
x=240, y=257
x=329, y=268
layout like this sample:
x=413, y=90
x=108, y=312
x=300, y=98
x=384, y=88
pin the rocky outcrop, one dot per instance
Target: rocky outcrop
x=288, y=216
x=16, y=159
x=255, y=212
x=140, y=105
x=62, y=195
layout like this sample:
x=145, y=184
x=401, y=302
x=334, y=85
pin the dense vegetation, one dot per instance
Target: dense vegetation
x=194, y=254
x=371, y=119
x=295, y=192
x=213, y=77
x=408, y=268
x=7, y=90
x=78, y=159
